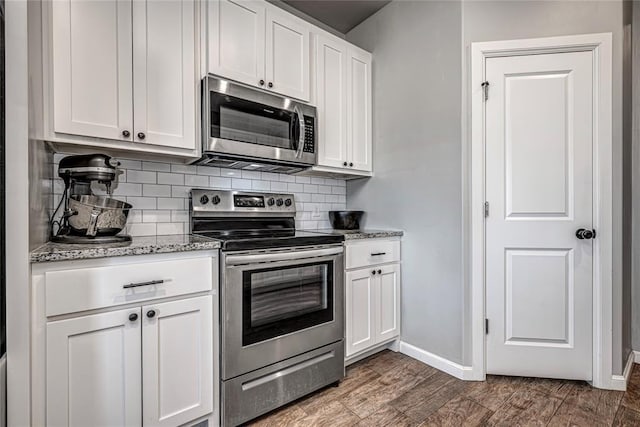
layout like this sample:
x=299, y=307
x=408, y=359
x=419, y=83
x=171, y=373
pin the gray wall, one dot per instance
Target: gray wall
x=417, y=161
x=421, y=163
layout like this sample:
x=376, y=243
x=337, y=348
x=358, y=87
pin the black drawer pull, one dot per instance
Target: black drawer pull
x=137, y=285
x=379, y=253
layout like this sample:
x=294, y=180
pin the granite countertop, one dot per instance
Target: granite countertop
x=364, y=234
x=138, y=246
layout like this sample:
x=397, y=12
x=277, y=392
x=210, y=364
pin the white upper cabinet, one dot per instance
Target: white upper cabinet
x=343, y=95
x=359, y=109
x=331, y=100
x=91, y=46
x=237, y=40
x=258, y=44
x=164, y=72
x=287, y=54
x=124, y=71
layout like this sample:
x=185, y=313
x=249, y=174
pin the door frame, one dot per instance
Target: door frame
x=601, y=46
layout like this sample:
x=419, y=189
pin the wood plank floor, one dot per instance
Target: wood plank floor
x=391, y=389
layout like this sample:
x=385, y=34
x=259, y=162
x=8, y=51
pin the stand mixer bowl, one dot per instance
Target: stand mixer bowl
x=97, y=215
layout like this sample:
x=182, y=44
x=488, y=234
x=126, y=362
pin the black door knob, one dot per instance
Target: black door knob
x=141, y=135
x=126, y=133
x=151, y=314
x=584, y=234
x=133, y=317
x=261, y=82
x=270, y=85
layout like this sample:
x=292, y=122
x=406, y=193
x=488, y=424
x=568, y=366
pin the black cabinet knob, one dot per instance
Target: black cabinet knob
x=151, y=314
x=126, y=133
x=141, y=135
x=373, y=272
x=351, y=165
x=584, y=234
x=345, y=164
x=379, y=271
x=261, y=82
x=270, y=85
x=133, y=317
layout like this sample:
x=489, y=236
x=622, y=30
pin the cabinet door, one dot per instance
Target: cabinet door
x=359, y=109
x=331, y=92
x=388, y=318
x=177, y=349
x=93, y=370
x=92, y=68
x=164, y=70
x=360, y=311
x=236, y=40
x=287, y=54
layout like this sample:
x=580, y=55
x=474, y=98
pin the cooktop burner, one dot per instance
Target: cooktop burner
x=249, y=220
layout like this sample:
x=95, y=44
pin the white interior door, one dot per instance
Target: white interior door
x=539, y=170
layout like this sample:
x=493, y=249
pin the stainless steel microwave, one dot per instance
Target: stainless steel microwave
x=245, y=128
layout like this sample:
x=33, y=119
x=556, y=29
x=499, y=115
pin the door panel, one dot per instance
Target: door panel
x=539, y=136
x=331, y=93
x=92, y=68
x=236, y=40
x=360, y=306
x=93, y=370
x=287, y=54
x=389, y=302
x=177, y=346
x=359, y=87
x=165, y=72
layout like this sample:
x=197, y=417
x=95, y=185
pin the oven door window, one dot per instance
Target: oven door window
x=245, y=121
x=278, y=301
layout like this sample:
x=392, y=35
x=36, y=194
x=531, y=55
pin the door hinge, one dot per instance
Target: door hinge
x=486, y=326
x=485, y=90
x=486, y=209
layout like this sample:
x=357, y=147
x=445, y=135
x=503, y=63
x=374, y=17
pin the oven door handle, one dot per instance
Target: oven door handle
x=281, y=256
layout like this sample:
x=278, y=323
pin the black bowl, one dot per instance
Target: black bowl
x=345, y=220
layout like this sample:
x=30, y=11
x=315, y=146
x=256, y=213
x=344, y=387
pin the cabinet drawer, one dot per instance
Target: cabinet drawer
x=372, y=252
x=69, y=291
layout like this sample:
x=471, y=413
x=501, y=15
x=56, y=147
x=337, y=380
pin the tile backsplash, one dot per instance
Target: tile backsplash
x=159, y=193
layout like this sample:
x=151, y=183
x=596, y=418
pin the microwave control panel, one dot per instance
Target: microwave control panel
x=309, y=135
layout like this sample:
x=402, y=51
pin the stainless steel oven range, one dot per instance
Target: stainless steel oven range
x=281, y=314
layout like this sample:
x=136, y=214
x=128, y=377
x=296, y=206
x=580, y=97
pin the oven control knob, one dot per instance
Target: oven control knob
x=204, y=200
x=215, y=199
x=279, y=202
x=271, y=201
x=287, y=202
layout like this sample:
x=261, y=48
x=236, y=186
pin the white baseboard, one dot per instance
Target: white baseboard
x=636, y=356
x=438, y=362
x=619, y=382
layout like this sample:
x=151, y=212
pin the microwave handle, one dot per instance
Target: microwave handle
x=301, y=129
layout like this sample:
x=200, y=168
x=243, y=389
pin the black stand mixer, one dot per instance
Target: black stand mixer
x=88, y=218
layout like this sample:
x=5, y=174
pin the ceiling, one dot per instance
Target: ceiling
x=342, y=15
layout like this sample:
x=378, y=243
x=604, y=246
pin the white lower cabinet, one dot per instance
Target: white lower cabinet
x=177, y=368
x=94, y=370
x=145, y=359
x=372, y=302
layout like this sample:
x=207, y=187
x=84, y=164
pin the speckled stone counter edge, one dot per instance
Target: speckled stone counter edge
x=365, y=234
x=55, y=252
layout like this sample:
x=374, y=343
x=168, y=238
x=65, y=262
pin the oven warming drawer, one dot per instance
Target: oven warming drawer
x=251, y=395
